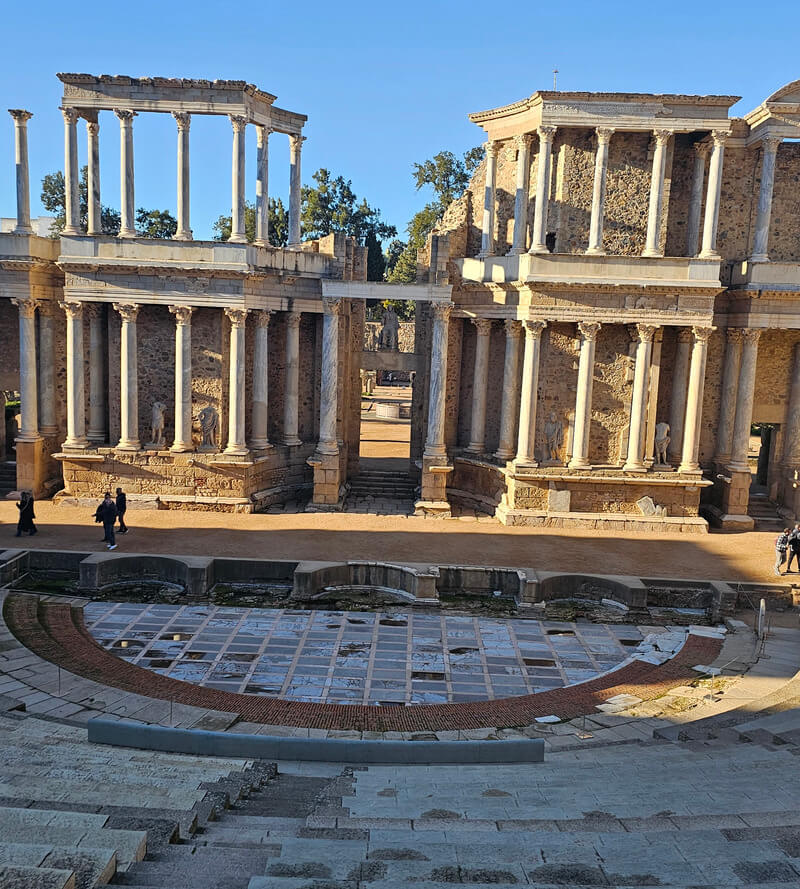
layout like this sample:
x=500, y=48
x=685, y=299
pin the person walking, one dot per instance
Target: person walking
x=26, y=514
x=794, y=548
x=107, y=514
x=781, y=545
x=122, y=505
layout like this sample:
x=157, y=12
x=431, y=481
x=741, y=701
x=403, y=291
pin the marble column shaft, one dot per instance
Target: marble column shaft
x=239, y=125
x=539, y=233
x=711, y=220
x=520, y=242
x=184, y=231
x=529, y=396
x=291, y=397
x=434, y=441
x=129, y=378
x=730, y=386
x=21, y=118
x=260, y=408
x=94, y=213
x=183, y=379
x=702, y=150
x=604, y=135
x=480, y=382
x=48, y=424
x=237, y=445
x=655, y=208
x=76, y=409
x=127, y=190
x=644, y=351
x=97, y=387
x=508, y=408
x=295, y=147
x=329, y=392
x=744, y=401
x=583, y=397
x=72, y=203
x=487, y=228
x=28, y=383
x=694, y=401
x=680, y=382
x=791, y=441
x=769, y=153
x=262, y=185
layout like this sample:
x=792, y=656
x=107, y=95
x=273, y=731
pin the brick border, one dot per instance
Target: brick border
x=57, y=633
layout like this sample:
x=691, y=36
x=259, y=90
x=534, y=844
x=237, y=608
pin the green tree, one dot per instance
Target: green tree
x=278, y=223
x=393, y=253
x=54, y=201
x=422, y=224
x=155, y=223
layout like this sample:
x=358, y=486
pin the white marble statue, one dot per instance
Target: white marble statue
x=554, y=436
x=208, y=427
x=157, y=424
x=388, y=338
x=662, y=443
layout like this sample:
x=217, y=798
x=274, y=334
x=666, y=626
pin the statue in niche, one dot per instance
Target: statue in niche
x=554, y=437
x=388, y=338
x=662, y=443
x=208, y=427
x=157, y=425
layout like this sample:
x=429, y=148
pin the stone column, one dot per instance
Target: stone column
x=260, y=407
x=94, y=218
x=129, y=379
x=292, y=381
x=644, y=350
x=769, y=153
x=262, y=186
x=21, y=118
x=295, y=146
x=434, y=442
x=539, y=233
x=520, y=243
x=328, y=402
x=508, y=409
x=702, y=150
x=480, y=381
x=604, y=135
x=76, y=409
x=183, y=379
x=694, y=401
x=28, y=386
x=744, y=401
x=652, y=245
x=48, y=424
x=97, y=383
x=677, y=407
x=184, y=230
x=791, y=441
x=728, y=394
x=238, y=235
x=711, y=220
x=237, y=445
x=487, y=230
x=583, y=399
x=72, y=202
x=127, y=198
x=526, y=439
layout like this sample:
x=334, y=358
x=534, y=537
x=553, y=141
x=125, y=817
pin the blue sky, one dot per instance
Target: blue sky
x=383, y=84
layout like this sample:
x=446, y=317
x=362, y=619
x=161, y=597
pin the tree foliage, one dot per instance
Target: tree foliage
x=54, y=200
x=155, y=223
x=278, y=221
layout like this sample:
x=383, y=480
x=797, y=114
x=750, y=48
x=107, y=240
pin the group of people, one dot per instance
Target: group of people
x=108, y=512
x=787, y=546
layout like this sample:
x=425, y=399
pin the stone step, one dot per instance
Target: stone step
x=91, y=866
x=25, y=877
x=192, y=867
x=130, y=845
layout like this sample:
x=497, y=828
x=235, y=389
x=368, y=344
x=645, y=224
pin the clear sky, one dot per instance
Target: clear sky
x=384, y=84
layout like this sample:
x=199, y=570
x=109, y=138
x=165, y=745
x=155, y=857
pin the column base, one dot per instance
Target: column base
x=474, y=448
x=48, y=430
x=260, y=444
x=538, y=248
x=292, y=441
x=128, y=445
x=128, y=233
x=71, y=230
x=738, y=467
x=76, y=444
x=483, y=255
x=759, y=257
x=96, y=436
x=28, y=437
x=653, y=254
x=293, y=246
x=634, y=467
x=182, y=447
x=503, y=456
x=237, y=239
x=261, y=242
x=23, y=230
x=183, y=236
x=708, y=254
x=516, y=251
x=579, y=464
x=521, y=465
x=595, y=251
x=328, y=448
x=236, y=451
x=690, y=469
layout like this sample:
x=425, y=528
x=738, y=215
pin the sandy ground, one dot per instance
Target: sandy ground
x=385, y=444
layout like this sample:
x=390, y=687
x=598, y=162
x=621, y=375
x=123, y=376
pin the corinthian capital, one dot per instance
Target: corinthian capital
x=442, y=310
x=21, y=117
x=293, y=319
x=128, y=312
x=491, y=148
x=702, y=334
x=770, y=144
x=263, y=318
x=589, y=329
x=646, y=332
x=751, y=335
x=703, y=148
x=662, y=136
x=238, y=122
x=125, y=116
x=72, y=308
x=332, y=305
x=533, y=329
x=183, y=119
x=513, y=328
x=296, y=142
x=71, y=115
x=483, y=326
x=237, y=317
x=720, y=137
x=523, y=141
x=183, y=314
x=546, y=134
x=27, y=307
x=604, y=134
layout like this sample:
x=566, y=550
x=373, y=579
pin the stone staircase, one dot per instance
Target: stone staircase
x=8, y=478
x=765, y=514
x=381, y=491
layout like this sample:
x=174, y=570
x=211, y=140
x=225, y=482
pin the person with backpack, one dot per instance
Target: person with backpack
x=107, y=514
x=122, y=505
x=781, y=546
x=26, y=515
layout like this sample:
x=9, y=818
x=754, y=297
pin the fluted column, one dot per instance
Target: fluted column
x=694, y=401
x=183, y=378
x=48, y=423
x=702, y=150
x=480, y=381
x=262, y=185
x=126, y=181
x=539, y=234
x=730, y=386
x=76, y=408
x=487, y=229
x=529, y=397
x=654, y=211
x=94, y=213
x=28, y=385
x=508, y=408
x=680, y=382
x=184, y=121
x=328, y=403
x=236, y=381
x=434, y=442
x=583, y=398
x=129, y=378
x=769, y=153
x=72, y=202
x=604, y=135
x=641, y=379
x=791, y=441
x=260, y=408
x=97, y=387
x=238, y=235
x=21, y=119
x=523, y=146
x=292, y=380
x=711, y=220
x=295, y=147
x=744, y=401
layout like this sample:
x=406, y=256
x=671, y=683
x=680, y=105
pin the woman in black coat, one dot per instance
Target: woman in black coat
x=26, y=514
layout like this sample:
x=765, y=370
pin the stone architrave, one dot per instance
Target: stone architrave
x=184, y=230
x=730, y=386
x=543, y=175
x=583, y=398
x=239, y=125
x=28, y=382
x=295, y=147
x=72, y=204
x=260, y=408
x=694, y=401
x=97, y=387
x=769, y=153
x=744, y=401
x=21, y=118
x=237, y=446
x=76, y=410
x=129, y=379
x=127, y=190
x=529, y=397
x=644, y=350
x=183, y=379
x=680, y=382
x=94, y=214
x=434, y=441
x=292, y=380
x=480, y=382
x=487, y=230
x=711, y=220
x=604, y=135
x=654, y=212
x=523, y=146
x=508, y=408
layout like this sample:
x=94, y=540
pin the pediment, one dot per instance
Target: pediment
x=789, y=94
